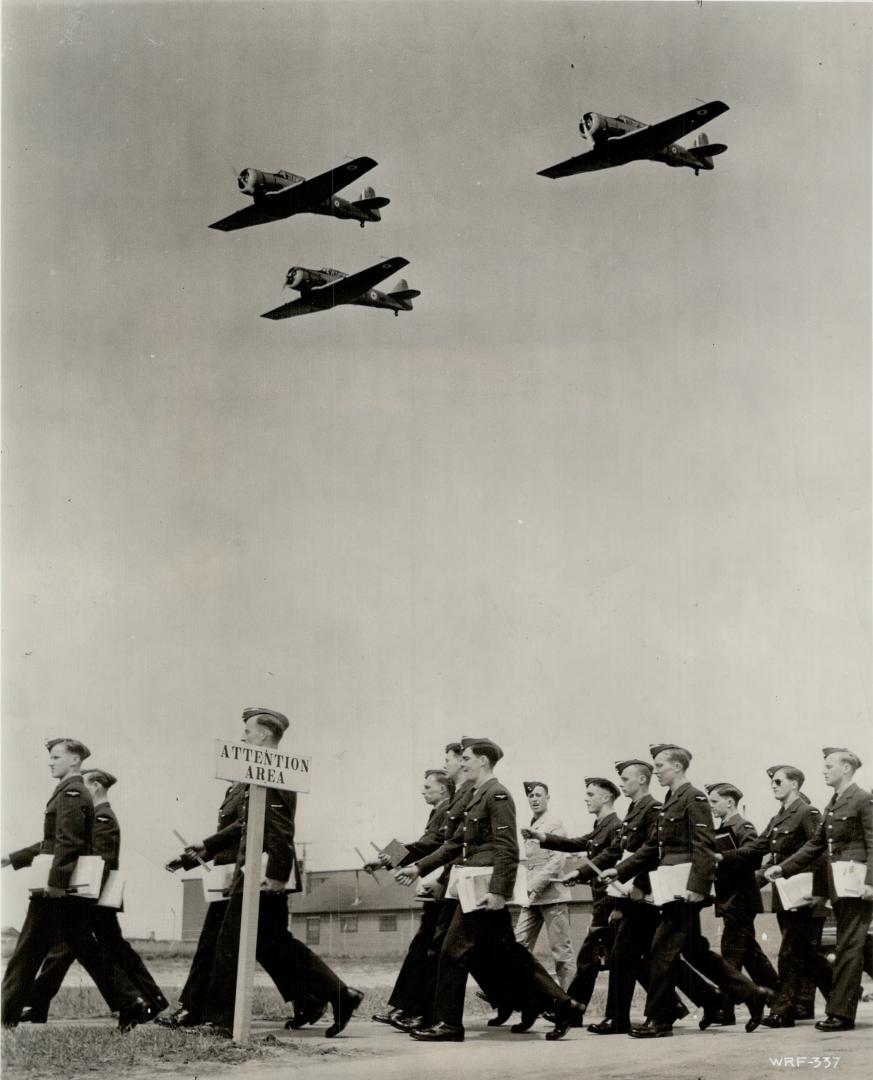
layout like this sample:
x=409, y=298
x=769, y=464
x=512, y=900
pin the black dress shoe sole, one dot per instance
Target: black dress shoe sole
x=650, y=1033
x=441, y=1036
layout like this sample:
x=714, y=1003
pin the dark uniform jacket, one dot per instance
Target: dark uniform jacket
x=786, y=833
x=845, y=834
x=640, y=821
x=601, y=838
x=486, y=835
x=281, y=807
x=432, y=837
x=684, y=834
x=736, y=888
x=66, y=833
x=223, y=846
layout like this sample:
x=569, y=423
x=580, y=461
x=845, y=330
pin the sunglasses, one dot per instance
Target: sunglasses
x=777, y=783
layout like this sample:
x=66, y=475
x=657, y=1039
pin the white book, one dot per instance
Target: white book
x=849, y=878
x=38, y=872
x=112, y=895
x=795, y=891
x=216, y=882
x=470, y=884
x=669, y=883
x=422, y=884
x=87, y=877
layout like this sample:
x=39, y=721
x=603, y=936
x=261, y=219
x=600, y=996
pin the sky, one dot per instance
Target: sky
x=608, y=485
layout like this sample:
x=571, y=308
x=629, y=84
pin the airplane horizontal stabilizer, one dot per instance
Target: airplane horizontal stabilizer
x=373, y=203
x=405, y=294
x=707, y=151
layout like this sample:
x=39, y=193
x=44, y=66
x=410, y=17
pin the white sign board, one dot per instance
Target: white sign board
x=266, y=767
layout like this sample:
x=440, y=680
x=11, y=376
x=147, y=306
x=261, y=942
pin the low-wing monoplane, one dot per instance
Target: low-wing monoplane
x=281, y=194
x=321, y=290
x=616, y=140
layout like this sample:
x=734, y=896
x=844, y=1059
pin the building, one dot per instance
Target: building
x=353, y=913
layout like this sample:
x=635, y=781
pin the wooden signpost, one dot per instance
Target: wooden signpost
x=259, y=767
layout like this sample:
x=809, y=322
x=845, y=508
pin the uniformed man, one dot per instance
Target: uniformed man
x=600, y=796
x=547, y=895
x=685, y=834
x=795, y=823
x=635, y=920
x=221, y=849
x=737, y=893
x=487, y=837
x=407, y=1001
x=54, y=914
x=845, y=835
x=106, y=842
x=265, y=728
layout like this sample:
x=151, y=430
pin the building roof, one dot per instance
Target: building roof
x=343, y=891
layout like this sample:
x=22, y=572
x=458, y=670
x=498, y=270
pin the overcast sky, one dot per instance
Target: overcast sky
x=609, y=483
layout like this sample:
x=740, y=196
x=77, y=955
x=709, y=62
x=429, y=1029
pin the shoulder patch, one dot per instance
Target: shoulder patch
x=102, y=817
x=658, y=806
x=501, y=796
x=748, y=825
x=701, y=798
x=73, y=794
x=817, y=813
x=699, y=825
x=499, y=827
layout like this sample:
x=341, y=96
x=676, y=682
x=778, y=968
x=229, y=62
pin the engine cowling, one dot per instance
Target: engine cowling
x=255, y=182
x=592, y=127
x=301, y=278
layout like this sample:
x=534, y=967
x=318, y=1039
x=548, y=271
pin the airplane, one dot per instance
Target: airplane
x=616, y=140
x=321, y=290
x=280, y=194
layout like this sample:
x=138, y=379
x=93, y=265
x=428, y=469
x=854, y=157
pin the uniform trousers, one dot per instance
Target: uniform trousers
x=556, y=919
x=486, y=939
x=630, y=964
x=414, y=985
x=195, y=992
x=123, y=959
x=301, y=973
x=66, y=920
x=853, y=921
x=678, y=937
x=739, y=946
x=799, y=962
x=594, y=955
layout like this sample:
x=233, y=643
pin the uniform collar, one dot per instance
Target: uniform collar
x=735, y=818
x=837, y=799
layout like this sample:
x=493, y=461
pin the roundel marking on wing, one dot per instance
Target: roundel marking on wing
x=386, y=266
x=353, y=167
x=702, y=112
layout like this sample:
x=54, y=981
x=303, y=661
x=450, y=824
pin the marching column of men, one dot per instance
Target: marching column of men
x=472, y=824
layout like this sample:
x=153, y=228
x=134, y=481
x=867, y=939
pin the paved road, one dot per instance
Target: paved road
x=366, y=1051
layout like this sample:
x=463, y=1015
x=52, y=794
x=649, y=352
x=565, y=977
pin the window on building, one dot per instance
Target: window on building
x=313, y=931
x=387, y=924
x=348, y=924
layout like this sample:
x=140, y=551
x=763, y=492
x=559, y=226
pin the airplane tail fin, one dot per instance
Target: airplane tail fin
x=369, y=200
x=704, y=150
x=403, y=292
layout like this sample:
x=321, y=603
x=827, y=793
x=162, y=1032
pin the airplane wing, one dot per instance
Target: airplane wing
x=590, y=161
x=292, y=200
x=649, y=140
x=355, y=285
x=242, y=219
x=295, y=307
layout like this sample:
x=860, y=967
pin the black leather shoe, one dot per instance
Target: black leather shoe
x=568, y=1014
x=756, y=1006
x=503, y=1014
x=29, y=1015
x=774, y=1020
x=720, y=1016
x=528, y=1019
x=680, y=1012
x=138, y=1013
x=409, y=1023
x=651, y=1031
x=342, y=1011
x=609, y=1027
x=835, y=1023
x=309, y=1011
x=180, y=1018
x=439, y=1033
x=388, y=1017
